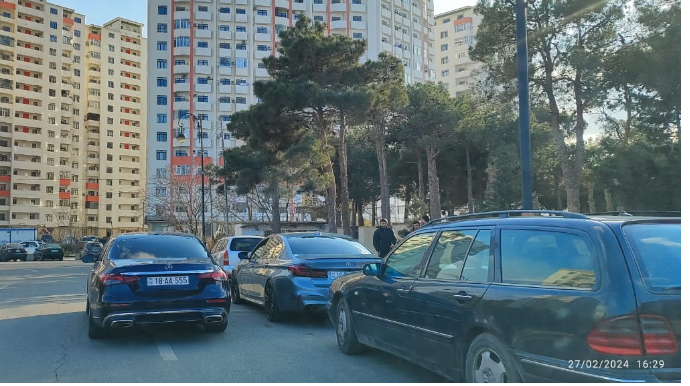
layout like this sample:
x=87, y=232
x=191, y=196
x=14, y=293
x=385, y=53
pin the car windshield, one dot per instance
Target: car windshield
x=158, y=247
x=657, y=251
x=324, y=246
x=94, y=246
x=244, y=244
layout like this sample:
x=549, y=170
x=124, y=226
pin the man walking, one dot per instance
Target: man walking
x=384, y=238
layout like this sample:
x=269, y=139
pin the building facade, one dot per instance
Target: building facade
x=455, y=33
x=59, y=80
x=205, y=55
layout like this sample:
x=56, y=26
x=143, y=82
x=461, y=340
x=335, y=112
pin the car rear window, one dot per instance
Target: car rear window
x=245, y=244
x=13, y=245
x=52, y=246
x=158, y=247
x=656, y=247
x=323, y=246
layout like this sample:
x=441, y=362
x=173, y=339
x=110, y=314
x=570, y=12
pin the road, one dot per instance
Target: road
x=43, y=330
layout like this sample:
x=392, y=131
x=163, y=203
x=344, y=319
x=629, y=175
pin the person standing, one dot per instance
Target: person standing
x=384, y=238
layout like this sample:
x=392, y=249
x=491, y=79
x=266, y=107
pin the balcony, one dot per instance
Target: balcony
x=64, y=195
x=262, y=54
x=200, y=69
x=200, y=15
x=202, y=51
x=180, y=87
x=202, y=33
x=22, y=108
x=27, y=165
x=225, y=70
x=386, y=47
x=398, y=19
x=359, y=25
x=339, y=24
x=262, y=3
x=203, y=106
x=259, y=19
x=225, y=107
x=386, y=13
x=181, y=51
x=319, y=8
x=202, y=88
x=225, y=89
x=181, y=69
x=181, y=105
x=182, y=15
x=398, y=35
x=224, y=17
x=92, y=199
x=280, y=20
x=339, y=7
x=358, y=8
x=241, y=17
x=417, y=11
x=417, y=26
x=65, y=182
x=261, y=37
x=30, y=66
x=225, y=52
x=241, y=71
x=261, y=72
x=241, y=36
x=241, y=89
x=28, y=151
x=299, y=6
x=26, y=193
x=224, y=35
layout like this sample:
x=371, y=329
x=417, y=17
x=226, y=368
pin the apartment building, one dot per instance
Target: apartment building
x=204, y=56
x=54, y=148
x=455, y=31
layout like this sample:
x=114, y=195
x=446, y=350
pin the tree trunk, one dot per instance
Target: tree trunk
x=383, y=178
x=420, y=177
x=590, y=198
x=275, y=206
x=434, y=189
x=470, y=199
x=557, y=189
x=360, y=214
x=609, y=200
x=408, y=198
x=331, y=198
x=344, y=191
x=374, y=216
x=353, y=214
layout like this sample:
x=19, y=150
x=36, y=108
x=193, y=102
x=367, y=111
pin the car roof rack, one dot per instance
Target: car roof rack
x=505, y=214
x=630, y=213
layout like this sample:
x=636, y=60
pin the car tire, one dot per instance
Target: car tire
x=488, y=360
x=60, y=259
x=273, y=313
x=235, y=296
x=96, y=331
x=344, y=331
x=217, y=328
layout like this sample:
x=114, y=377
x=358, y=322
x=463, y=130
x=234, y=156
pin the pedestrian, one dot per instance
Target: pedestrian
x=415, y=225
x=384, y=238
x=425, y=219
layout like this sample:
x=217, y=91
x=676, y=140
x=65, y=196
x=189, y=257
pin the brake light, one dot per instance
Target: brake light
x=622, y=336
x=115, y=278
x=215, y=275
x=226, y=258
x=303, y=270
x=216, y=301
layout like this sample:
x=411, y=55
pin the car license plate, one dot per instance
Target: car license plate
x=55, y=250
x=170, y=280
x=17, y=250
x=335, y=274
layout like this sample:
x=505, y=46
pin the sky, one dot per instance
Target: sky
x=101, y=11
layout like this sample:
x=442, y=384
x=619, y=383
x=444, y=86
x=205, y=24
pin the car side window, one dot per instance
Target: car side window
x=275, y=247
x=449, y=254
x=261, y=250
x=548, y=258
x=476, y=266
x=407, y=259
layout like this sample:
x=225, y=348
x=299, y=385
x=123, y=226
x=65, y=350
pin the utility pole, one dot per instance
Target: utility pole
x=523, y=107
x=225, y=186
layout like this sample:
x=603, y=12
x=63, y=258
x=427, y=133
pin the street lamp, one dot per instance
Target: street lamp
x=182, y=137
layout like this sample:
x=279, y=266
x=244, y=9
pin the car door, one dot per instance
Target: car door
x=442, y=301
x=269, y=264
x=378, y=306
x=247, y=271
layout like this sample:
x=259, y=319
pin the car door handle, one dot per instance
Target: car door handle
x=463, y=296
x=403, y=291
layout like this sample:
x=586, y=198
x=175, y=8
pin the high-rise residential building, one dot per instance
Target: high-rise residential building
x=205, y=55
x=64, y=113
x=455, y=33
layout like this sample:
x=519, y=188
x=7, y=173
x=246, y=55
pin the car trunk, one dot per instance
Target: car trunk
x=326, y=269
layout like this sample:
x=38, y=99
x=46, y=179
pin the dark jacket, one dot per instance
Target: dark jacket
x=384, y=239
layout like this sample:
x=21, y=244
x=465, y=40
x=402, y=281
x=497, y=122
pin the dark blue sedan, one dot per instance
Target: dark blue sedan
x=151, y=278
x=293, y=272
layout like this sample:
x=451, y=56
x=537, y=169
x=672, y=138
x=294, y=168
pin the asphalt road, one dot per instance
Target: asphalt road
x=43, y=338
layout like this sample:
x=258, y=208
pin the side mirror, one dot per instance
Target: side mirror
x=243, y=255
x=373, y=269
x=89, y=258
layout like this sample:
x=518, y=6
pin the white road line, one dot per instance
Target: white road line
x=32, y=270
x=166, y=352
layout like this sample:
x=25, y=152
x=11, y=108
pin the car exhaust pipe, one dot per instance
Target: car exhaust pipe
x=122, y=324
x=213, y=319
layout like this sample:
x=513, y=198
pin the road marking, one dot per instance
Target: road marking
x=32, y=270
x=166, y=352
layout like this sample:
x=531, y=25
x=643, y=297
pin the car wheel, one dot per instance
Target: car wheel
x=235, y=292
x=345, y=332
x=271, y=304
x=217, y=327
x=87, y=307
x=96, y=331
x=488, y=361
x=60, y=259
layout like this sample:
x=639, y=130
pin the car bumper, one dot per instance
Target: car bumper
x=52, y=256
x=300, y=295
x=13, y=256
x=206, y=316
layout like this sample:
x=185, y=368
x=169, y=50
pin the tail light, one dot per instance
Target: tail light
x=226, y=258
x=303, y=270
x=115, y=278
x=213, y=276
x=623, y=336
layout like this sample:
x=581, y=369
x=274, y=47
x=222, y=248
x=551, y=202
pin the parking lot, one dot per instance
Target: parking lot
x=43, y=330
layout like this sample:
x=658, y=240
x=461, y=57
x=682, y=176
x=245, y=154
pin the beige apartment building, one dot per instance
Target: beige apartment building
x=72, y=102
x=455, y=33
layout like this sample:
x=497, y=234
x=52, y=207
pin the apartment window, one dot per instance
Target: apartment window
x=357, y=35
x=262, y=12
x=444, y=60
x=445, y=73
x=202, y=44
x=162, y=10
x=110, y=120
x=111, y=48
x=182, y=41
x=240, y=11
x=356, y=18
x=202, y=80
x=202, y=26
x=53, y=24
x=224, y=27
x=77, y=33
x=241, y=46
x=53, y=38
x=111, y=72
x=162, y=46
x=241, y=28
x=224, y=100
x=181, y=153
x=241, y=100
x=202, y=62
x=224, y=10
x=203, y=8
x=318, y=18
x=225, y=118
x=161, y=155
x=52, y=52
x=111, y=84
x=225, y=81
x=225, y=62
x=202, y=98
x=53, y=11
x=182, y=24
x=77, y=20
x=225, y=46
x=161, y=136
x=444, y=34
x=241, y=62
x=162, y=63
x=444, y=47
x=262, y=47
x=162, y=100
